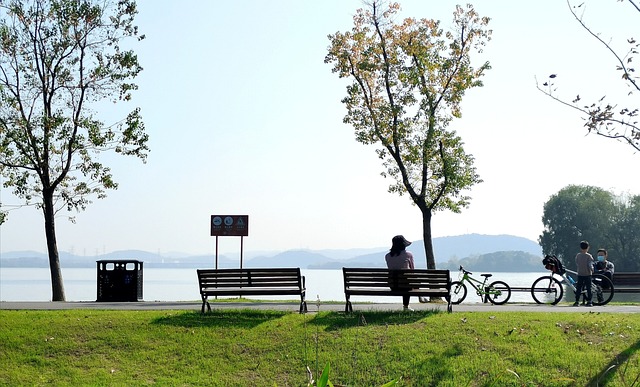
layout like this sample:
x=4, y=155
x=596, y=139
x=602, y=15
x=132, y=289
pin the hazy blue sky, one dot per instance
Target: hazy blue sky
x=245, y=118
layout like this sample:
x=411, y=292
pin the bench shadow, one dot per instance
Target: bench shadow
x=333, y=321
x=220, y=318
x=617, y=367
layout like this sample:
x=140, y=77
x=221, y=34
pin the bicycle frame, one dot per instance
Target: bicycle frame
x=565, y=278
x=497, y=292
x=480, y=287
x=570, y=281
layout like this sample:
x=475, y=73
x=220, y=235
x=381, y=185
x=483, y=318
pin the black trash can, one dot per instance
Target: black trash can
x=119, y=280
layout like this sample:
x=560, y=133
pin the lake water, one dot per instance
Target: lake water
x=170, y=284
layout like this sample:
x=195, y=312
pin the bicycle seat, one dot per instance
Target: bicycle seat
x=486, y=275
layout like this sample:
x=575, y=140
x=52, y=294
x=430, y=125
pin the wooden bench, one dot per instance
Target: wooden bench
x=251, y=282
x=626, y=282
x=378, y=282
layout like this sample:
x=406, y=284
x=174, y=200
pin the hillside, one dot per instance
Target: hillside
x=445, y=248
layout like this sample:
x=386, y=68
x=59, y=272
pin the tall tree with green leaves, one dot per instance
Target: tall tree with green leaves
x=623, y=240
x=58, y=60
x=408, y=80
x=606, y=220
x=574, y=214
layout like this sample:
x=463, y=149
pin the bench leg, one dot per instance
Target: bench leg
x=303, y=304
x=205, y=301
x=348, y=308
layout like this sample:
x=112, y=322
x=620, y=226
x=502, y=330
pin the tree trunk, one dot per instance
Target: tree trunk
x=428, y=244
x=57, y=286
x=426, y=237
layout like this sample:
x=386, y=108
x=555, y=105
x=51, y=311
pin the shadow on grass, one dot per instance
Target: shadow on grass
x=617, y=367
x=340, y=320
x=249, y=318
x=220, y=318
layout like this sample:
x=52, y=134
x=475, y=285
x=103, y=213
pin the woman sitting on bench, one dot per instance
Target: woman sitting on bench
x=398, y=258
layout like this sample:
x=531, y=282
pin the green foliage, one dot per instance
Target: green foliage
x=325, y=382
x=499, y=261
x=324, y=378
x=589, y=213
x=251, y=348
x=57, y=59
x=408, y=80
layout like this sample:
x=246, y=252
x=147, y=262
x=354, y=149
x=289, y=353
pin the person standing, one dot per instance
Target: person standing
x=398, y=258
x=584, y=262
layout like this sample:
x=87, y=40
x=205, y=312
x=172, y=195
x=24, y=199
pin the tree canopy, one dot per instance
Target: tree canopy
x=58, y=59
x=407, y=84
x=590, y=213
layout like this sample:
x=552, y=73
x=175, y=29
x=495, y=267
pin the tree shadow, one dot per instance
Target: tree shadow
x=617, y=367
x=241, y=318
x=339, y=320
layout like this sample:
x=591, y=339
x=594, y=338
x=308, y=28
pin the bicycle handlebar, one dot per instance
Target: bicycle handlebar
x=464, y=271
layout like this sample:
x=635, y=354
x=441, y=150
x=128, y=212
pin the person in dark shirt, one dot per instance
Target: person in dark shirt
x=603, y=265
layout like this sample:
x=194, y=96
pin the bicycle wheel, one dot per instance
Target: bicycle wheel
x=458, y=292
x=601, y=289
x=547, y=290
x=498, y=292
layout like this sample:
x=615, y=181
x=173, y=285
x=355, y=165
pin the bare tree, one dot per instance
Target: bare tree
x=615, y=120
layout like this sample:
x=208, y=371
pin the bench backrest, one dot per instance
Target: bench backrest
x=255, y=278
x=385, y=278
x=626, y=278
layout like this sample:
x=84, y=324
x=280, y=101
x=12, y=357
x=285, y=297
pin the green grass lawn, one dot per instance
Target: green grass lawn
x=269, y=348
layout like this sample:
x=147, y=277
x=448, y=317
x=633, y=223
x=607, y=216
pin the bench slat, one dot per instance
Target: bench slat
x=252, y=281
x=626, y=278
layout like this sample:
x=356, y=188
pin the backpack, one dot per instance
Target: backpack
x=551, y=262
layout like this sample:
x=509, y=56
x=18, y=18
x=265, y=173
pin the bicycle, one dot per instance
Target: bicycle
x=497, y=292
x=549, y=290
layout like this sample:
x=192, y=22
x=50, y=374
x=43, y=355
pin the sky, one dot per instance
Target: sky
x=245, y=118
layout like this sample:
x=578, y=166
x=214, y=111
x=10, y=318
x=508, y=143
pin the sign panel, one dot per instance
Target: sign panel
x=229, y=225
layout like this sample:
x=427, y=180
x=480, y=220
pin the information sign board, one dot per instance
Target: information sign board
x=229, y=225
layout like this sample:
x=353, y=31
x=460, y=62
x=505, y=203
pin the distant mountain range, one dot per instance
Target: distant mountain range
x=452, y=248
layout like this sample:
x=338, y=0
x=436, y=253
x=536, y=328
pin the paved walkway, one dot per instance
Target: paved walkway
x=312, y=307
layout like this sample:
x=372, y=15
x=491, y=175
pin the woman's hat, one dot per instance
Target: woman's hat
x=399, y=239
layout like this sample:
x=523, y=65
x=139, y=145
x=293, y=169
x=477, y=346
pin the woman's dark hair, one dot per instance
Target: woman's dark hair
x=398, y=244
x=396, y=249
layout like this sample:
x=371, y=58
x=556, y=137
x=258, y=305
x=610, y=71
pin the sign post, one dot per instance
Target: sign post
x=230, y=225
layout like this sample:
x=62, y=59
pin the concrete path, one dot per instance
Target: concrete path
x=312, y=307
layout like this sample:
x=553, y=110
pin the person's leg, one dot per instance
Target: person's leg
x=579, y=285
x=405, y=301
x=587, y=283
x=609, y=275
